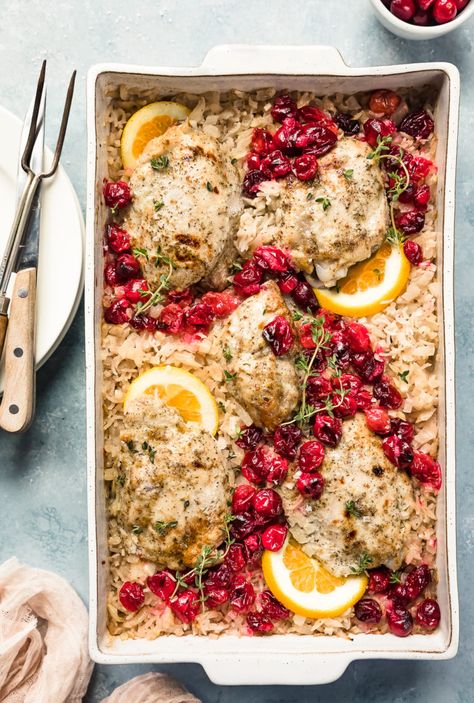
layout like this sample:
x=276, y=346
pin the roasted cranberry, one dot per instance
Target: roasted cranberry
x=249, y=437
x=403, y=9
x=310, y=114
x=368, y=610
x=215, y=596
x=162, y=584
x=444, y=11
x=387, y=394
x=262, y=141
x=370, y=369
x=426, y=470
x=375, y=130
x=110, y=275
x=258, y=622
x=252, y=182
x=242, y=595
x=236, y=557
x=344, y=405
x=277, y=470
x=219, y=577
x=410, y=222
x=143, y=322
x=317, y=388
x=273, y=537
x=418, y=167
x=422, y=196
x=131, y=596
x=363, y=398
x=285, y=138
x=255, y=465
x=379, y=580
x=357, y=337
x=136, y=289
x=118, y=312
x=286, y=439
x=305, y=167
x=185, y=606
x=384, y=101
x=279, y=335
x=242, y=498
x=311, y=456
x=253, y=161
x=378, y=420
x=399, y=621
x=183, y=297
x=398, y=595
x=253, y=546
x=199, y=315
x=304, y=296
x=310, y=485
x=315, y=139
x=327, y=429
x=347, y=124
x=417, y=580
x=247, y=281
x=171, y=318
x=428, y=614
x=276, y=164
x=118, y=239
x=287, y=282
x=271, y=259
x=271, y=607
x=221, y=304
x=117, y=195
x=268, y=503
x=402, y=429
x=127, y=267
x=398, y=451
x=283, y=106
x=347, y=381
x=418, y=123
x=413, y=252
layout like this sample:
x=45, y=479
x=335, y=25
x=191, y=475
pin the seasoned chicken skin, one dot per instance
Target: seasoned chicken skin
x=174, y=497
x=186, y=205
x=265, y=385
x=339, y=219
x=357, y=474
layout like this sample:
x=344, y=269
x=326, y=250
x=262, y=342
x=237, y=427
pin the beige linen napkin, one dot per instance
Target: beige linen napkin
x=151, y=688
x=43, y=637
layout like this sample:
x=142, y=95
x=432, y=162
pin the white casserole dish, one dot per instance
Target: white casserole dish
x=279, y=659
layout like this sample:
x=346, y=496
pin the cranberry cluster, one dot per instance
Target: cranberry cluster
x=306, y=133
x=399, y=593
x=426, y=12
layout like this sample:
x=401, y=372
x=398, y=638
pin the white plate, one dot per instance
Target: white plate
x=60, y=267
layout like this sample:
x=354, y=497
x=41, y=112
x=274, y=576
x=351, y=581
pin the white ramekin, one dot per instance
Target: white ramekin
x=413, y=31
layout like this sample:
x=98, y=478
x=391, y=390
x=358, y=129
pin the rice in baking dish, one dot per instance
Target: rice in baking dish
x=407, y=332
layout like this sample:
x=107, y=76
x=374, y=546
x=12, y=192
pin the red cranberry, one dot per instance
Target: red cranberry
x=117, y=195
x=162, y=584
x=242, y=498
x=127, y=267
x=398, y=595
x=384, y=101
x=418, y=167
x=344, y=407
x=271, y=607
x=422, y=19
x=253, y=161
x=249, y=437
x=398, y=451
x=286, y=440
x=379, y=580
x=422, y=196
x=236, y=557
x=304, y=296
x=255, y=465
x=311, y=456
x=279, y=335
x=199, y=315
x=375, y=130
x=426, y=470
x=271, y=259
x=247, y=281
x=428, y=614
x=310, y=114
x=357, y=337
x=136, y=289
x=413, y=252
x=378, y=420
x=327, y=429
x=399, y=621
x=310, y=485
x=242, y=595
x=425, y=4
x=306, y=336
x=305, y=167
x=418, y=123
x=252, y=182
x=221, y=304
x=410, y=222
x=219, y=577
x=276, y=164
x=283, y=106
x=317, y=388
x=268, y=503
x=347, y=124
x=363, y=398
x=417, y=580
x=171, y=318
x=444, y=11
x=348, y=382
x=183, y=297
x=118, y=239
x=402, y=429
x=118, y=312
x=368, y=610
x=277, y=471
x=387, y=395
x=370, y=369
x=316, y=139
x=258, y=622
x=287, y=282
x=110, y=275
x=253, y=546
x=186, y=606
x=262, y=141
x=215, y=596
x=143, y=322
x=273, y=537
x=403, y=9
x=131, y=596
x=285, y=138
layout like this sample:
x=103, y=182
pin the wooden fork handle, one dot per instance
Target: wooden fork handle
x=18, y=403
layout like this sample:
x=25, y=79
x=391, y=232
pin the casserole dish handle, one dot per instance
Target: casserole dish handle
x=243, y=58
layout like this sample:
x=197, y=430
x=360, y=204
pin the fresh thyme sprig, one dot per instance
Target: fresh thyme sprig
x=364, y=563
x=353, y=509
x=157, y=296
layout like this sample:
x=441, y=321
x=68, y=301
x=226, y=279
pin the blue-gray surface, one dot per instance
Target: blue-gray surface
x=43, y=473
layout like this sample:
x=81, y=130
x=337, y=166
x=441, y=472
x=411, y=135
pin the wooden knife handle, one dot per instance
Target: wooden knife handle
x=18, y=403
x=3, y=330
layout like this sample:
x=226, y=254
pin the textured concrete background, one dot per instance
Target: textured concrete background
x=42, y=474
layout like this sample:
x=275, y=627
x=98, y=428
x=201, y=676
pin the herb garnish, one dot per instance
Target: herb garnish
x=131, y=446
x=159, y=163
x=352, y=509
x=210, y=187
x=120, y=480
x=136, y=529
x=364, y=563
x=163, y=527
x=395, y=577
x=227, y=354
x=233, y=161
x=325, y=202
x=158, y=204
x=139, y=251
x=150, y=451
x=156, y=296
x=404, y=375
x=229, y=376
x=348, y=173
x=310, y=196
x=221, y=406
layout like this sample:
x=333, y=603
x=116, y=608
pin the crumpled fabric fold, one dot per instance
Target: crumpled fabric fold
x=151, y=688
